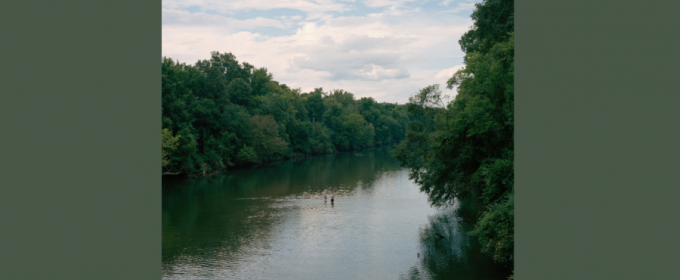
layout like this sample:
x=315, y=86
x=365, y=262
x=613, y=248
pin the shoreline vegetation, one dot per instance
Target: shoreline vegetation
x=263, y=164
x=464, y=148
x=220, y=114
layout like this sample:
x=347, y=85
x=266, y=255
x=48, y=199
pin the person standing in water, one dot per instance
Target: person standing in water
x=332, y=198
x=324, y=196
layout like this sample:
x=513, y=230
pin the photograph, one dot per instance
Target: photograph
x=338, y=139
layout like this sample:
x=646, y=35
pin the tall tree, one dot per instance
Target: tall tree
x=240, y=92
x=266, y=139
x=464, y=148
x=169, y=145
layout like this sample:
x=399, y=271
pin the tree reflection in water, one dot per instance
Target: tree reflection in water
x=456, y=255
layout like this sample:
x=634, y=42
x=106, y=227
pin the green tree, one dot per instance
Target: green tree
x=240, y=92
x=493, y=20
x=169, y=145
x=262, y=82
x=248, y=156
x=496, y=231
x=314, y=105
x=215, y=87
x=320, y=140
x=464, y=148
x=265, y=135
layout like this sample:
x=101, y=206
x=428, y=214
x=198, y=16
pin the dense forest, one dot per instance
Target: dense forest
x=220, y=113
x=465, y=148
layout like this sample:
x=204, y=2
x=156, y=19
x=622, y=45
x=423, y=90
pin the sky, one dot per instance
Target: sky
x=385, y=49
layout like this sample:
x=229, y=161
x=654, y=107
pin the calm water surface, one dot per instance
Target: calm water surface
x=272, y=223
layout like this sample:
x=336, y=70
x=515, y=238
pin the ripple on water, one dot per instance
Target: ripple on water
x=270, y=224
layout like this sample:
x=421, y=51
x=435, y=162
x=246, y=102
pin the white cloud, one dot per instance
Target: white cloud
x=461, y=7
x=387, y=57
x=241, y=5
x=353, y=21
x=446, y=2
x=187, y=19
x=319, y=16
x=385, y=3
x=448, y=73
x=353, y=65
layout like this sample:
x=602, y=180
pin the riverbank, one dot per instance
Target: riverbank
x=197, y=175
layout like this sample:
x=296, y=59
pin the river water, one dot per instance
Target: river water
x=272, y=223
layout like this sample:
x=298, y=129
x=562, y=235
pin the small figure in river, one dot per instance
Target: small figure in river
x=332, y=198
x=324, y=196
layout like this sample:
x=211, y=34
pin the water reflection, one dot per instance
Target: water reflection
x=273, y=223
x=446, y=251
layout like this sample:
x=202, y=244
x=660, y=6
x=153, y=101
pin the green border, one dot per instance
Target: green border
x=597, y=140
x=80, y=153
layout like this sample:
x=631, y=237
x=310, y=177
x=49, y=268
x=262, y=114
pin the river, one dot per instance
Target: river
x=272, y=222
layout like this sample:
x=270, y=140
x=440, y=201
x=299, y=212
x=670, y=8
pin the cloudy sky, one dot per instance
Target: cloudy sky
x=385, y=49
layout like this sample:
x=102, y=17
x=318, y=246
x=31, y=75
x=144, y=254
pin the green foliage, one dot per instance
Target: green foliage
x=265, y=135
x=247, y=156
x=454, y=151
x=240, y=92
x=495, y=230
x=313, y=102
x=262, y=82
x=236, y=119
x=185, y=157
x=493, y=20
x=354, y=130
x=274, y=104
x=215, y=87
x=232, y=114
x=464, y=148
x=319, y=139
x=346, y=99
x=169, y=145
x=428, y=97
x=497, y=178
x=299, y=132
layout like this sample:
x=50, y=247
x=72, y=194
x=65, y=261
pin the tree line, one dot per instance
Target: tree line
x=219, y=113
x=465, y=148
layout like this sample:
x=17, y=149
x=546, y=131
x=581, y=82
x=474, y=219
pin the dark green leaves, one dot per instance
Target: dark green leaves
x=231, y=114
x=464, y=148
x=240, y=92
x=496, y=230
